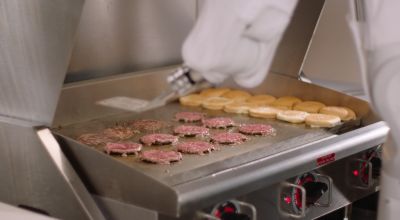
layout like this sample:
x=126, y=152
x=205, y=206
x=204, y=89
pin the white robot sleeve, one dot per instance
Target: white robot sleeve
x=378, y=39
x=237, y=38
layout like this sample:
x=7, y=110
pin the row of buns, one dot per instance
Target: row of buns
x=286, y=108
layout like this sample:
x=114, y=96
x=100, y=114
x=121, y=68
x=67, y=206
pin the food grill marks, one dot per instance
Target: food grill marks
x=94, y=139
x=228, y=138
x=195, y=147
x=147, y=125
x=189, y=116
x=257, y=129
x=158, y=139
x=122, y=148
x=160, y=156
x=119, y=132
x=191, y=131
x=219, y=122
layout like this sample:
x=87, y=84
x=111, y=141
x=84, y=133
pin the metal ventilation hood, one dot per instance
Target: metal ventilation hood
x=293, y=48
x=36, y=41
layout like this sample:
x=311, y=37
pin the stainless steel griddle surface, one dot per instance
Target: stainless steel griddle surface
x=289, y=136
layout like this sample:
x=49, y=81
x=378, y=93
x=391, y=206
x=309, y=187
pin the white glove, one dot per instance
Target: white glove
x=237, y=38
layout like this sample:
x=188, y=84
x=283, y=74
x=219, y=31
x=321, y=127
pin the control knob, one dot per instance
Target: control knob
x=229, y=211
x=307, y=190
x=314, y=191
x=366, y=170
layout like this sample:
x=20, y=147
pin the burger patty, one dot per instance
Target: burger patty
x=161, y=156
x=190, y=130
x=147, y=125
x=189, y=116
x=94, y=139
x=219, y=122
x=195, y=147
x=257, y=129
x=228, y=138
x=119, y=132
x=158, y=139
x=123, y=148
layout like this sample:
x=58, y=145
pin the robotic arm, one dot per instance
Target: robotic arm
x=238, y=38
x=378, y=40
x=241, y=38
x=231, y=38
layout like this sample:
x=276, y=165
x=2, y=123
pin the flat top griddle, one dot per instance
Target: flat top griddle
x=289, y=136
x=200, y=180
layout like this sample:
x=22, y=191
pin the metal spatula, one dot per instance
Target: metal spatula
x=181, y=82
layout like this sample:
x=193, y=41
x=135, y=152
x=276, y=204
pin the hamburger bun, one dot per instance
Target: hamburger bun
x=309, y=106
x=292, y=116
x=192, y=100
x=286, y=101
x=351, y=116
x=322, y=120
x=216, y=103
x=237, y=95
x=239, y=107
x=344, y=113
x=264, y=112
x=261, y=99
x=214, y=92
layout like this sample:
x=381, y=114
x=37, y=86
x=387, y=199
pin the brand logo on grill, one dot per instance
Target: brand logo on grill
x=326, y=159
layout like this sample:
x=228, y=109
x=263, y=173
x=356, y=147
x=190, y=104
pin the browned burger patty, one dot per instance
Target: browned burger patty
x=119, y=132
x=219, y=122
x=122, y=148
x=94, y=139
x=191, y=130
x=160, y=156
x=189, y=116
x=257, y=129
x=228, y=138
x=147, y=125
x=195, y=147
x=158, y=139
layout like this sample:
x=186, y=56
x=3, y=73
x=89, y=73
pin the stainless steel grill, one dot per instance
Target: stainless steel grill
x=36, y=48
x=198, y=181
x=194, y=166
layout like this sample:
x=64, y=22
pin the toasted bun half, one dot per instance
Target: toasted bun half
x=344, y=113
x=216, y=103
x=192, y=100
x=214, y=92
x=237, y=95
x=309, y=106
x=286, y=101
x=264, y=112
x=292, y=116
x=261, y=99
x=351, y=116
x=239, y=107
x=322, y=120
